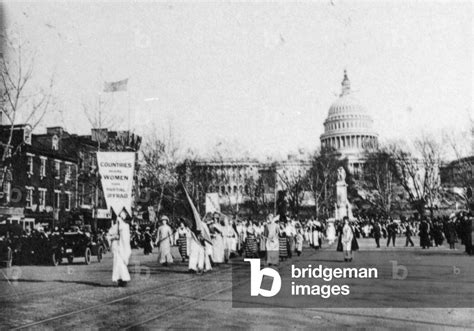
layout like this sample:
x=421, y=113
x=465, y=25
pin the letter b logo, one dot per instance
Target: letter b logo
x=256, y=277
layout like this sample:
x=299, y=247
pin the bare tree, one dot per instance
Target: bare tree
x=20, y=99
x=98, y=113
x=294, y=180
x=379, y=181
x=459, y=172
x=322, y=178
x=158, y=172
x=256, y=197
x=418, y=172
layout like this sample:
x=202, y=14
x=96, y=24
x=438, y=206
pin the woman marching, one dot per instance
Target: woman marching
x=271, y=233
x=182, y=238
x=251, y=245
x=283, y=243
x=348, y=241
x=230, y=239
x=217, y=236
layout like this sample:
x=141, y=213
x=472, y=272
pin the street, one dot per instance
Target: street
x=77, y=295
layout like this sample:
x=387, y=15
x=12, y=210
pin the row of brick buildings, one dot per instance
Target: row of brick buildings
x=53, y=177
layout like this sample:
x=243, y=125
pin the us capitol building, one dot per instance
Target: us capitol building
x=348, y=132
x=348, y=128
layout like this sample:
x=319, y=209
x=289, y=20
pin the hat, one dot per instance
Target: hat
x=164, y=218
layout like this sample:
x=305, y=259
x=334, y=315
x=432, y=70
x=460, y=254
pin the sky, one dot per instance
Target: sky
x=257, y=76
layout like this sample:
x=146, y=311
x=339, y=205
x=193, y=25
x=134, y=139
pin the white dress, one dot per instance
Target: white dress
x=164, y=242
x=347, y=237
x=272, y=243
x=230, y=238
x=218, y=244
x=121, y=250
x=198, y=258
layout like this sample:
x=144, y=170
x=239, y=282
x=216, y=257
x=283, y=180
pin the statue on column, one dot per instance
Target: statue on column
x=343, y=207
x=341, y=175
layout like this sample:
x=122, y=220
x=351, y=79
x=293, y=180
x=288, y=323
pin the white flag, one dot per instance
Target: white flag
x=118, y=86
x=116, y=171
x=212, y=203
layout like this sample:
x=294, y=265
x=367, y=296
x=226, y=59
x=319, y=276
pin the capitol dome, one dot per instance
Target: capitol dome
x=348, y=129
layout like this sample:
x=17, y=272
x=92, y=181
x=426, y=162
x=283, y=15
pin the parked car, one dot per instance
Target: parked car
x=78, y=244
x=38, y=249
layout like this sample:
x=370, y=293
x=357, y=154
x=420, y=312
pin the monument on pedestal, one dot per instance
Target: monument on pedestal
x=343, y=207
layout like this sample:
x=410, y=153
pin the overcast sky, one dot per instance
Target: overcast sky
x=263, y=75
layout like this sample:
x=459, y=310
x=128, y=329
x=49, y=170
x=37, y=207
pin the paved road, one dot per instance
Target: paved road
x=168, y=297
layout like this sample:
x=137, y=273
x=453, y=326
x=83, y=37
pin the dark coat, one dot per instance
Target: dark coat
x=377, y=231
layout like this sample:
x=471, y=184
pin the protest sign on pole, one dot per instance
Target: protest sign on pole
x=116, y=173
x=212, y=203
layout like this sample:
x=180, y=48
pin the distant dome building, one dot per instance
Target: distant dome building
x=349, y=128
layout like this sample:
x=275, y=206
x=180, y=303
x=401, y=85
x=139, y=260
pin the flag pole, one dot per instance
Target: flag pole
x=128, y=92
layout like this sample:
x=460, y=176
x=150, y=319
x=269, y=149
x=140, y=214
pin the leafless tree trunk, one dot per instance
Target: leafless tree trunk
x=160, y=154
x=20, y=101
x=418, y=172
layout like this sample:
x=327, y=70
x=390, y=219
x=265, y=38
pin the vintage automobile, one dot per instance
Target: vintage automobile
x=78, y=244
x=38, y=249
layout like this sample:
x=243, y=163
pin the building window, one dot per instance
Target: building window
x=81, y=194
x=7, y=186
x=57, y=169
x=30, y=163
x=42, y=197
x=29, y=197
x=55, y=143
x=27, y=135
x=57, y=199
x=43, y=166
x=67, y=177
x=81, y=161
x=68, y=201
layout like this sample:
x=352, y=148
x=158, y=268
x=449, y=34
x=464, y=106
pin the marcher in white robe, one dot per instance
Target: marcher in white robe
x=272, y=240
x=198, y=258
x=119, y=239
x=259, y=229
x=316, y=233
x=218, y=246
x=164, y=241
x=346, y=239
x=230, y=239
x=208, y=249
